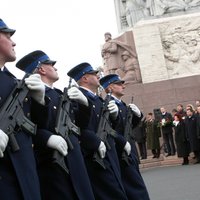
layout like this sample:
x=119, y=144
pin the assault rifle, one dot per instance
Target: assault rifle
x=104, y=128
x=12, y=117
x=64, y=127
x=127, y=132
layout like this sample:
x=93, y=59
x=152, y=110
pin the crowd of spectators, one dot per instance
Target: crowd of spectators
x=175, y=133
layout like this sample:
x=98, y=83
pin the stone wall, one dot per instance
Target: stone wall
x=166, y=93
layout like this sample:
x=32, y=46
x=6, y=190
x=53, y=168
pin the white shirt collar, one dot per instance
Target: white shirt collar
x=87, y=90
x=48, y=85
x=116, y=98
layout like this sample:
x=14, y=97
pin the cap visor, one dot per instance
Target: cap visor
x=120, y=81
x=51, y=62
x=92, y=72
x=8, y=30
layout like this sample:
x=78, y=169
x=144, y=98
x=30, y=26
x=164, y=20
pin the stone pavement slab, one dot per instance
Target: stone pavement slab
x=173, y=182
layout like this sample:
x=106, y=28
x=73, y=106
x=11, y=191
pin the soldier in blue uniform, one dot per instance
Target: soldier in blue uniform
x=55, y=182
x=131, y=177
x=18, y=175
x=106, y=182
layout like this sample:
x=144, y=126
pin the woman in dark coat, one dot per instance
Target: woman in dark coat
x=182, y=144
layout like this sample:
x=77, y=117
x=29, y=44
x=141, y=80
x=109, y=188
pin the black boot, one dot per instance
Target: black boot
x=185, y=161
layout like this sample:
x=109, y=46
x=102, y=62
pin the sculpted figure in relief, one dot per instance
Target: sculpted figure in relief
x=160, y=7
x=134, y=11
x=192, y=49
x=182, y=55
x=130, y=70
x=108, y=52
x=112, y=51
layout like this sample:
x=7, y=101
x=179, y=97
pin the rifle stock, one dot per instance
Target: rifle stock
x=104, y=128
x=127, y=131
x=12, y=115
x=64, y=127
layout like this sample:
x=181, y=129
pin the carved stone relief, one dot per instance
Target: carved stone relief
x=181, y=46
x=129, y=12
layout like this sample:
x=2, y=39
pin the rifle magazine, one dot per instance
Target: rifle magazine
x=99, y=160
x=59, y=159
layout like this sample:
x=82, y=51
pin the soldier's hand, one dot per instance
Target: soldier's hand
x=127, y=148
x=135, y=109
x=58, y=143
x=75, y=94
x=102, y=149
x=113, y=109
x=35, y=84
x=3, y=142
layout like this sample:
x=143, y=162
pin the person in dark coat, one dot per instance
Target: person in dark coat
x=106, y=181
x=191, y=133
x=182, y=144
x=131, y=176
x=18, y=175
x=153, y=134
x=140, y=137
x=198, y=121
x=167, y=131
x=55, y=182
x=181, y=111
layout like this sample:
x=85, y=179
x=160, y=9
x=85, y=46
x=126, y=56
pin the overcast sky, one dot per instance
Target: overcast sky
x=70, y=32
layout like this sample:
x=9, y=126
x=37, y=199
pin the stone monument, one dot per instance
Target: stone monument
x=164, y=68
x=120, y=57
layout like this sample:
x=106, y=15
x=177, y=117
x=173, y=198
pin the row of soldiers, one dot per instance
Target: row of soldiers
x=69, y=144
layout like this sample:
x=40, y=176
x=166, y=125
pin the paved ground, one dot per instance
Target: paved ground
x=173, y=182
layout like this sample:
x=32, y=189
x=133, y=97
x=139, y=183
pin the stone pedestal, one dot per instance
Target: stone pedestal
x=150, y=53
x=168, y=77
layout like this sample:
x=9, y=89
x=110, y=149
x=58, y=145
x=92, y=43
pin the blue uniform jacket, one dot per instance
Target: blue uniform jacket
x=107, y=182
x=131, y=177
x=18, y=176
x=55, y=182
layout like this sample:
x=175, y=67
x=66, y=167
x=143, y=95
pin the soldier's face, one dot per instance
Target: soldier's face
x=117, y=89
x=7, y=52
x=93, y=79
x=50, y=72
